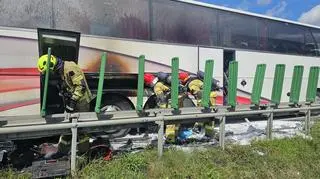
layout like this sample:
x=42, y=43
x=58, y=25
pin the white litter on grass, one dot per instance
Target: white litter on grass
x=236, y=133
x=244, y=133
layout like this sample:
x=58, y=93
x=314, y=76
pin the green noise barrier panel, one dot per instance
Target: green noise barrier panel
x=46, y=82
x=232, y=83
x=312, y=84
x=174, y=82
x=258, y=84
x=278, y=84
x=101, y=81
x=140, y=83
x=207, y=83
x=296, y=84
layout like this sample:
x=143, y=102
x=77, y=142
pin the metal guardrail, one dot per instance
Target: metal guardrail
x=161, y=117
x=170, y=116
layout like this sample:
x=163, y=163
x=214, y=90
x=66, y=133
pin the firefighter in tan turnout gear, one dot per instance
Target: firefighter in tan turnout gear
x=160, y=89
x=194, y=84
x=73, y=88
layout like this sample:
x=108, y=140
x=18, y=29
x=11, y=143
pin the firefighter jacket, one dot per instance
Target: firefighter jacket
x=160, y=89
x=76, y=83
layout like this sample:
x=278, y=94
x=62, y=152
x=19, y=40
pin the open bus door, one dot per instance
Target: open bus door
x=228, y=56
x=65, y=45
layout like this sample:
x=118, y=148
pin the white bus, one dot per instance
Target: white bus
x=158, y=29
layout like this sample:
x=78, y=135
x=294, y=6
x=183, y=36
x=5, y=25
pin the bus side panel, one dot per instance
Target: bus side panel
x=154, y=52
x=19, y=78
x=249, y=60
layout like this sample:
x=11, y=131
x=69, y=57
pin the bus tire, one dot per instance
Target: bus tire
x=116, y=102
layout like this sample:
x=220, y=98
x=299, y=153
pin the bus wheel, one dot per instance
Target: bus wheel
x=116, y=103
x=187, y=102
x=150, y=127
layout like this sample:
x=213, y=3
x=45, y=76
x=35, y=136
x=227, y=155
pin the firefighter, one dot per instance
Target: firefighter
x=194, y=84
x=73, y=85
x=159, y=88
x=73, y=88
x=167, y=78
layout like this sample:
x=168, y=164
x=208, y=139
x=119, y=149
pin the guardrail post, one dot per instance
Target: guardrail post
x=207, y=83
x=100, y=84
x=222, y=131
x=258, y=84
x=232, y=84
x=270, y=126
x=160, y=137
x=296, y=84
x=74, y=131
x=174, y=83
x=140, y=83
x=307, y=121
x=46, y=82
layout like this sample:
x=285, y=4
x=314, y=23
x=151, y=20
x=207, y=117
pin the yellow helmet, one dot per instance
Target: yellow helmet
x=42, y=63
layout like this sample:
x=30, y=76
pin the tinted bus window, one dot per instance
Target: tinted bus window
x=237, y=30
x=26, y=13
x=287, y=38
x=125, y=19
x=316, y=35
x=183, y=23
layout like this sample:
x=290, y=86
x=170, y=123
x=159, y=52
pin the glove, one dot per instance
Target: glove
x=66, y=95
x=70, y=107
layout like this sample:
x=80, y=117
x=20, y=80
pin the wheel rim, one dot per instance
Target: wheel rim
x=112, y=108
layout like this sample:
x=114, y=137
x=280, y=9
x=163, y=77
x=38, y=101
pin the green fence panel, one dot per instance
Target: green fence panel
x=232, y=83
x=101, y=81
x=278, y=83
x=45, y=89
x=207, y=83
x=174, y=82
x=258, y=84
x=296, y=84
x=140, y=83
x=312, y=84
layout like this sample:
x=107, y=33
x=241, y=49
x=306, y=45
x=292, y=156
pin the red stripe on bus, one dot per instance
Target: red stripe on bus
x=18, y=77
x=19, y=104
x=4, y=90
x=19, y=71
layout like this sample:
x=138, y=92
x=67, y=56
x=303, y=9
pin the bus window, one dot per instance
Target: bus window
x=237, y=31
x=288, y=38
x=179, y=22
x=125, y=19
x=26, y=14
x=316, y=35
